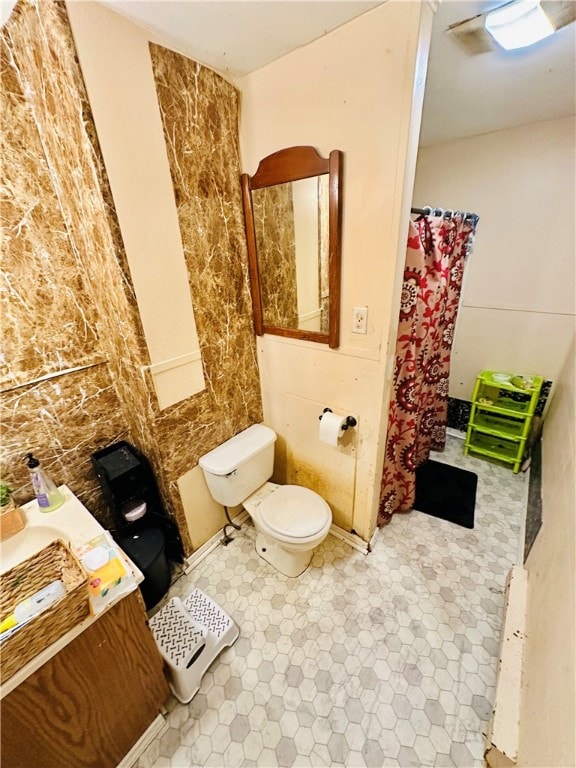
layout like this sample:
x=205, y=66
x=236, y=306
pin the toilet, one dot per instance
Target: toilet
x=290, y=521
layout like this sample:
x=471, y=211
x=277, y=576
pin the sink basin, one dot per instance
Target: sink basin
x=72, y=523
x=27, y=543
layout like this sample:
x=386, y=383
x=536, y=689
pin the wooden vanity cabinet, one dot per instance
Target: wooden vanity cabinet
x=89, y=704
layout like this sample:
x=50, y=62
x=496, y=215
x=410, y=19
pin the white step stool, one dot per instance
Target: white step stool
x=190, y=634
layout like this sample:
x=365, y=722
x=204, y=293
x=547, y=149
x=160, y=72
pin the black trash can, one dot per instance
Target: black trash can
x=147, y=550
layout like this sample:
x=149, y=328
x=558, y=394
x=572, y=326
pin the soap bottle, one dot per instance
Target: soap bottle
x=48, y=496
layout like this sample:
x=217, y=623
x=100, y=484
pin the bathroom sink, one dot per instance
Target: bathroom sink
x=26, y=543
x=72, y=523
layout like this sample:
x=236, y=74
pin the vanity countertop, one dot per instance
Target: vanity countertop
x=75, y=525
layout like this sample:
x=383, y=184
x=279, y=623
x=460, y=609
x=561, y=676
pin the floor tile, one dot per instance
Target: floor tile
x=364, y=660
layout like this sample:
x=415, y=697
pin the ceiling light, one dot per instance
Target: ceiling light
x=518, y=24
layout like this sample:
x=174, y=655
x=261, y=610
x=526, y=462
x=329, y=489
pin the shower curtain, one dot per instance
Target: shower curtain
x=435, y=255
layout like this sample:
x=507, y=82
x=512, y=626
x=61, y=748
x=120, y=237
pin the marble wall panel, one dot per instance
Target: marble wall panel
x=52, y=80
x=62, y=421
x=42, y=60
x=199, y=111
x=276, y=248
x=47, y=324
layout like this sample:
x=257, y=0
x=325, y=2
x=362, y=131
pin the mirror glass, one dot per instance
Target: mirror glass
x=292, y=216
x=291, y=229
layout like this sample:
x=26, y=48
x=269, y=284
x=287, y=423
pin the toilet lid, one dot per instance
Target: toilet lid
x=295, y=511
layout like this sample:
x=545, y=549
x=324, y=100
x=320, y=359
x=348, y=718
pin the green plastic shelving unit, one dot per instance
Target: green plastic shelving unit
x=503, y=405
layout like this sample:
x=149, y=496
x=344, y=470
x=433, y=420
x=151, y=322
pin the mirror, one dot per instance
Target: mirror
x=293, y=220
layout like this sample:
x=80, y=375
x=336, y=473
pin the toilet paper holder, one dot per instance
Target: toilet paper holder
x=350, y=420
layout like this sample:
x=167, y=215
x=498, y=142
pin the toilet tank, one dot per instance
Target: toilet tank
x=238, y=467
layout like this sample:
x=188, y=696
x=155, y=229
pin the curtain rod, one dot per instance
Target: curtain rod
x=428, y=210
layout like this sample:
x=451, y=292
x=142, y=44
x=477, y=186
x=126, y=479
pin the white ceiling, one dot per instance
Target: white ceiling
x=467, y=95
x=236, y=37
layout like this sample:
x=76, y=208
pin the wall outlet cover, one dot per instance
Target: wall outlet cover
x=359, y=319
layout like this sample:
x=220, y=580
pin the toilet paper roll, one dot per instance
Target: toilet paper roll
x=331, y=427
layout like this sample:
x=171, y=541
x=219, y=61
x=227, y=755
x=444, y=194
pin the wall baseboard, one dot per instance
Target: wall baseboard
x=503, y=732
x=202, y=552
x=352, y=539
x=156, y=727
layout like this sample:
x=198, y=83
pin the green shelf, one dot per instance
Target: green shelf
x=503, y=405
x=494, y=445
x=506, y=381
x=499, y=424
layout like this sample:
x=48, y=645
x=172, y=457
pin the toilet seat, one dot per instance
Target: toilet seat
x=294, y=512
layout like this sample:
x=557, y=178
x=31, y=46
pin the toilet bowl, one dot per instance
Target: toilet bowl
x=290, y=521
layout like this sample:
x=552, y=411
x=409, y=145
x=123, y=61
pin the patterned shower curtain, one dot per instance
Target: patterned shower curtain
x=433, y=273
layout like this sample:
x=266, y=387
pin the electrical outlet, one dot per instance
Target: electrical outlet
x=359, y=319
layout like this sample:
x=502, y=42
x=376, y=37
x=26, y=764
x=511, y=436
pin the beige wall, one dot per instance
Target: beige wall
x=518, y=301
x=351, y=90
x=548, y=715
x=117, y=71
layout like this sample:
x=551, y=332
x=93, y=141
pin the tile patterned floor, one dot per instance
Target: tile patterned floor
x=380, y=660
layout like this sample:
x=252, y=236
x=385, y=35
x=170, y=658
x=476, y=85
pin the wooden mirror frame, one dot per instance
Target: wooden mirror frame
x=286, y=165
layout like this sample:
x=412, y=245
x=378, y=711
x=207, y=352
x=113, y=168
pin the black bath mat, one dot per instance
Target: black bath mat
x=446, y=492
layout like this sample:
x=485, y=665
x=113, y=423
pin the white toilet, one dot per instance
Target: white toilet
x=290, y=520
